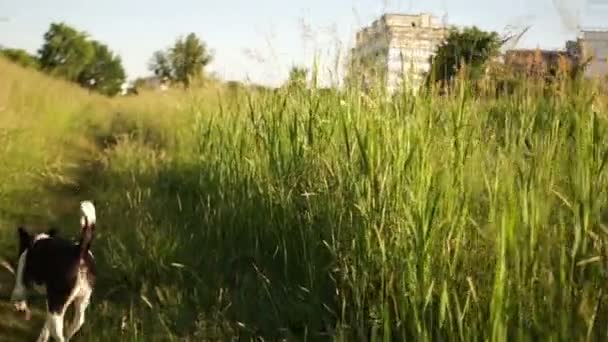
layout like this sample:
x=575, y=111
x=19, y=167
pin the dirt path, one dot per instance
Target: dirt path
x=13, y=326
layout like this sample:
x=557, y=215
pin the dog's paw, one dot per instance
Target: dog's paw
x=21, y=306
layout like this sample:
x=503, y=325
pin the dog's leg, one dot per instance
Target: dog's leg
x=80, y=306
x=44, y=334
x=58, y=302
x=19, y=291
x=56, y=326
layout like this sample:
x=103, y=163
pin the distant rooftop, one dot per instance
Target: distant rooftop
x=421, y=19
x=419, y=14
x=594, y=29
x=533, y=51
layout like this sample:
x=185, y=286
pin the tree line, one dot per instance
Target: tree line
x=70, y=54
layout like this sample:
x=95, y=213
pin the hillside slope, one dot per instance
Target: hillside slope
x=56, y=140
x=42, y=143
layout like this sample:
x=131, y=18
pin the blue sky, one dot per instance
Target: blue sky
x=260, y=40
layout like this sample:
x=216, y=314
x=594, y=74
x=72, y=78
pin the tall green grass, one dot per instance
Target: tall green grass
x=312, y=215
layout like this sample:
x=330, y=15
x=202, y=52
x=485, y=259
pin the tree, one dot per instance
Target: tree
x=104, y=73
x=69, y=53
x=188, y=58
x=160, y=65
x=65, y=52
x=469, y=46
x=183, y=62
x=20, y=56
x=297, y=77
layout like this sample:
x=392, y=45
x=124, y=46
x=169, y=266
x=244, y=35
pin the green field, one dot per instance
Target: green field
x=316, y=215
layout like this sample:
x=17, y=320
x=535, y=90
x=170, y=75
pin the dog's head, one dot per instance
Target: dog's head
x=26, y=239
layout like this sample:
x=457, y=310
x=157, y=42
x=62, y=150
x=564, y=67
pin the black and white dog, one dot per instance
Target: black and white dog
x=65, y=270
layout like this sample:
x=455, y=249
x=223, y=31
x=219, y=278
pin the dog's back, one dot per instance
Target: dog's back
x=55, y=263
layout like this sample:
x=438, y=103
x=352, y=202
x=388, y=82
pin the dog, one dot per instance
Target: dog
x=65, y=271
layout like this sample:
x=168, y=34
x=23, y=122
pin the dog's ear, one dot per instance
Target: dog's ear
x=23, y=234
x=25, y=239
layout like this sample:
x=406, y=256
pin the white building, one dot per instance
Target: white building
x=396, y=48
x=595, y=46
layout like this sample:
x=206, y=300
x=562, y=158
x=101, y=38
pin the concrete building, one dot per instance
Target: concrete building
x=397, y=48
x=594, y=46
x=540, y=62
x=590, y=50
x=152, y=83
